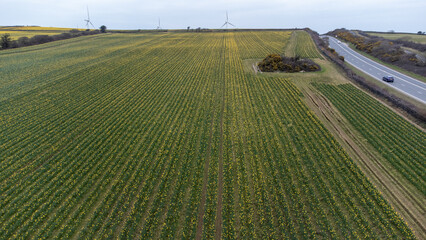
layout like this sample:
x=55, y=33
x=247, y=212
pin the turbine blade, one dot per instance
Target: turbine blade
x=224, y=24
x=231, y=24
x=92, y=25
x=88, y=17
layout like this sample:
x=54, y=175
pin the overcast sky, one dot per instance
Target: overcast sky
x=319, y=15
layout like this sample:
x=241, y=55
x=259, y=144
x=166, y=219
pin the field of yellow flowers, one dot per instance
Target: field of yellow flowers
x=22, y=31
x=165, y=136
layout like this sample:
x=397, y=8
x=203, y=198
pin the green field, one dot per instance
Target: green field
x=402, y=144
x=164, y=135
x=302, y=45
x=403, y=36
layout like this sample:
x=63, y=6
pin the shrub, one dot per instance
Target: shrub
x=23, y=41
x=39, y=39
x=390, y=51
x=275, y=62
x=5, y=41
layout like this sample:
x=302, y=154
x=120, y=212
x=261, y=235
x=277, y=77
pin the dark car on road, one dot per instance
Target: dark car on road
x=388, y=79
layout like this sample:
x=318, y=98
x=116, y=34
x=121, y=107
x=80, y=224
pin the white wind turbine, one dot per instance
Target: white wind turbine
x=88, y=22
x=227, y=22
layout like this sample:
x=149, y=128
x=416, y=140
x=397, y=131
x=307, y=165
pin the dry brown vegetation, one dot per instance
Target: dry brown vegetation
x=386, y=50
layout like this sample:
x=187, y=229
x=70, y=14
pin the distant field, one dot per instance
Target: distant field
x=37, y=29
x=301, y=44
x=406, y=37
x=165, y=136
x=17, y=32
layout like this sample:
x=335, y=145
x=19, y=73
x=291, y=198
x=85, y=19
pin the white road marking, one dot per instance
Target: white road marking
x=381, y=69
x=387, y=73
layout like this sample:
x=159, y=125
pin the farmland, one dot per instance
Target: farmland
x=15, y=35
x=301, y=44
x=398, y=140
x=164, y=135
x=35, y=28
x=403, y=36
x=17, y=32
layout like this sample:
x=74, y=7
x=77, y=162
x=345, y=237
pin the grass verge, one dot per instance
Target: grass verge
x=396, y=93
x=396, y=68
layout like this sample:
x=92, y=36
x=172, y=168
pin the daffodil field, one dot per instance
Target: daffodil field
x=18, y=32
x=165, y=136
x=305, y=46
x=400, y=143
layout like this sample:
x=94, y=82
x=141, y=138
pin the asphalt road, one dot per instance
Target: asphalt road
x=403, y=83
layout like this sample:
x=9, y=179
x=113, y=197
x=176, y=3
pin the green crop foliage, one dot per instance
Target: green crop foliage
x=305, y=46
x=163, y=135
x=398, y=141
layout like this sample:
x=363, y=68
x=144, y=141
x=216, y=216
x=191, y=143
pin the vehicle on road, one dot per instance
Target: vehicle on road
x=339, y=42
x=388, y=79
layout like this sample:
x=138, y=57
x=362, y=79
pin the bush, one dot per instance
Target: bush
x=390, y=51
x=275, y=62
x=5, y=41
x=39, y=39
x=62, y=36
x=23, y=41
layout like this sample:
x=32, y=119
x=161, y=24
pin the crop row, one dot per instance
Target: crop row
x=400, y=143
x=305, y=46
x=165, y=136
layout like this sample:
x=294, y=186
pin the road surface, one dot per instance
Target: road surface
x=403, y=83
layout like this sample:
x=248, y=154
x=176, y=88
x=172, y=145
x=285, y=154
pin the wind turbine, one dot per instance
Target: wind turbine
x=88, y=20
x=227, y=22
x=159, y=24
